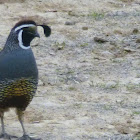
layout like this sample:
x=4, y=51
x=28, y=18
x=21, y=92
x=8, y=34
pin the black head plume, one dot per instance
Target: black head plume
x=47, y=30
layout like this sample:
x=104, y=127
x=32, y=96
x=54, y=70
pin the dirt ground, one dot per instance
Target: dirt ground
x=89, y=69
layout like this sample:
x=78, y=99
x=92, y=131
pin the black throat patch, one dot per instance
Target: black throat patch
x=27, y=37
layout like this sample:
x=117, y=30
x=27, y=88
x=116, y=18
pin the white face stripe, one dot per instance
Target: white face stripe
x=20, y=41
x=23, y=26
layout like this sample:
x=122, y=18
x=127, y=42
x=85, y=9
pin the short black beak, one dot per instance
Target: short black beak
x=37, y=34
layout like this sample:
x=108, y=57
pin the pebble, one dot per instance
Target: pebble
x=100, y=40
x=111, y=84
x=40, y=83
x=85, y=28
x=138, y=40
x=135, y=31
x=128, y=50
x=70, y=23
x=118, y=13
x=61, y=47
x=129, y=121
x=107, y=54
x=124, y=130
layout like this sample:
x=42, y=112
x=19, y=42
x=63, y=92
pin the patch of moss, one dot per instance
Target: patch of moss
x=96, y=15
x=84, y=45
x=136, y=112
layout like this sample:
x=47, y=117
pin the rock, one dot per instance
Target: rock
x=118, y=32
x=107, y=54
x=100, y=40
x=61, y=47
x=111, y=84
x=85, y=28
x=118, y=13
x=40, y=83
x=123, y=130
x=135, y=31
x=129, y=121
x=138, y=40
x=52, y=53
x=70, y=23
x=136, y=81
x=10, y=1
x=128, y=50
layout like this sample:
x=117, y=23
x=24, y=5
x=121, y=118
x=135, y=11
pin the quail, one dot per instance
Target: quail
x=18, y=72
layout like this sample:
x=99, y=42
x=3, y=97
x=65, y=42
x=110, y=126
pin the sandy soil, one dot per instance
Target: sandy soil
x=89, y=69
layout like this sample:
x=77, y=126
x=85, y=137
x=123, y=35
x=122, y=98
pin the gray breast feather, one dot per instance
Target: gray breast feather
x=18, y=63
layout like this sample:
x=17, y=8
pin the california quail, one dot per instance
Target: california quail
x=18, y=71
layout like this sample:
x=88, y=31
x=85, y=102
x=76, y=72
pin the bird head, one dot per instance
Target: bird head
x=25, y=31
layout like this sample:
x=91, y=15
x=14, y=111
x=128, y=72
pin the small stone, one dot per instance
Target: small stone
x=70, y=23
x=136, y=81
x=85, y=28
x=107, y=54
x=128, y=50
x=121, y=13
x=135, y=31
x=118, y=32
x=129, y=121
x=138, y=40
x=36, y=122
x=123, y=130
x=61, y=47
x=40, y=83
x=111, y=84
x=52, y=53
x=100, y=40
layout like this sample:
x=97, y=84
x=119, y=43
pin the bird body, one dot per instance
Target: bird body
x=18, y=71
x=18, y=77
